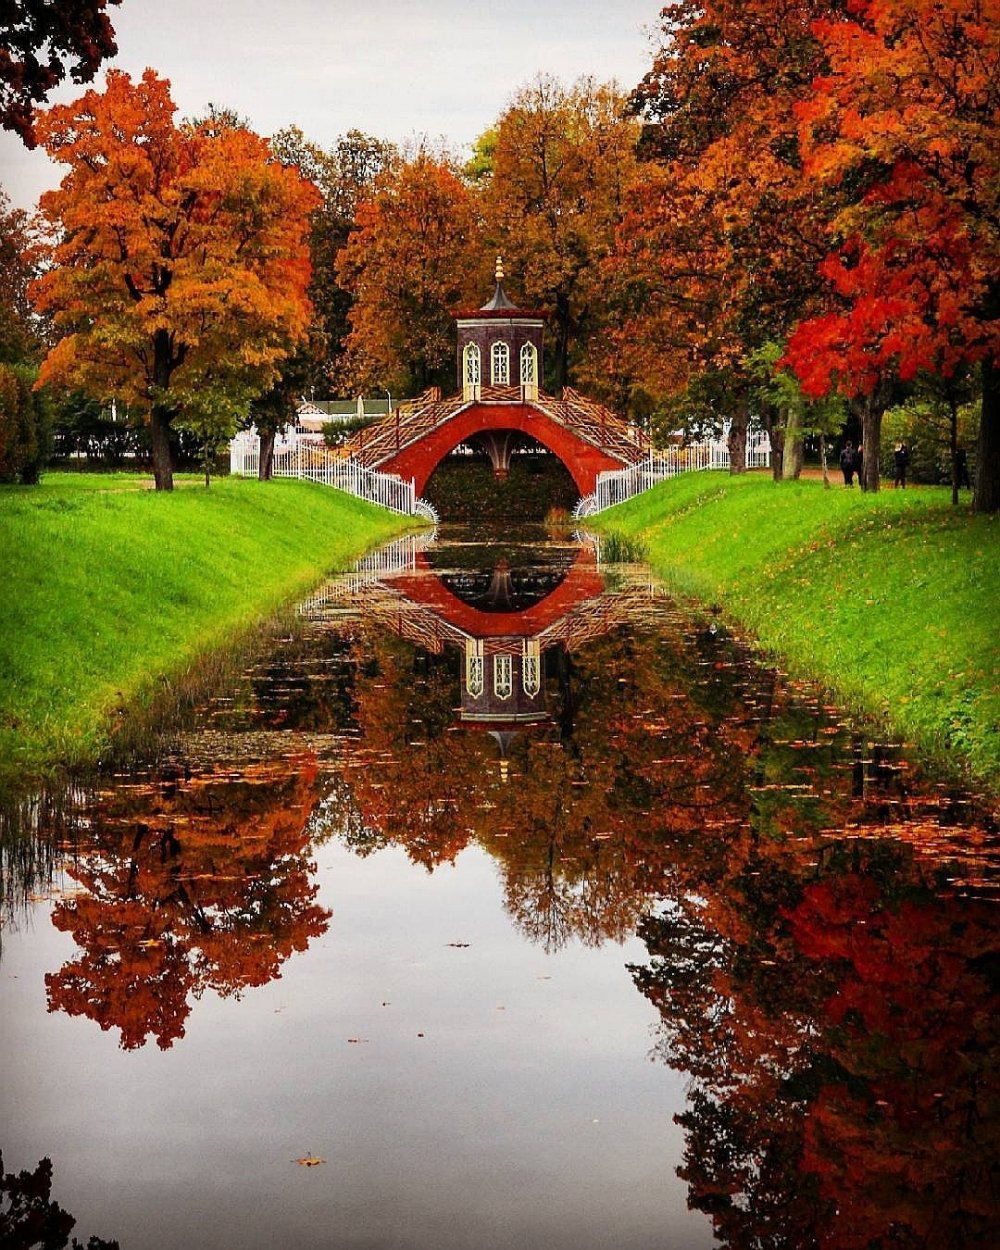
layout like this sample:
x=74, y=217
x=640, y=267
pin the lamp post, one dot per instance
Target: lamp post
x=389, y=397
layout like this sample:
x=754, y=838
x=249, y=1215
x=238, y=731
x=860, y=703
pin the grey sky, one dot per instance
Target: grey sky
x=393, y=68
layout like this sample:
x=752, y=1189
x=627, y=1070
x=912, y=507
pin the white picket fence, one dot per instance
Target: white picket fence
x=314, y=462
x=615, y=486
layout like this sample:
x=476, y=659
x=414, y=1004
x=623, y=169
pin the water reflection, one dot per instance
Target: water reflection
x=819, y=918
x=185, y=884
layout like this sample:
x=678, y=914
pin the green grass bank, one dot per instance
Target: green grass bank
x=893, y=599
x=107, y=588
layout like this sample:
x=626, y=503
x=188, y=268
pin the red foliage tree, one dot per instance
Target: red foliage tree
x=906, y=117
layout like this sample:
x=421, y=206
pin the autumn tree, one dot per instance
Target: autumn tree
x=180, y=255
x=718, y=250
x=553, y=174
x=906, y=116
x=19, y=339
x=345, y=174
x=410, y=260
x=41, y=43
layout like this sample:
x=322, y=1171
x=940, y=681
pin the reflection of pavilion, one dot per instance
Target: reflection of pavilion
x=501, y=621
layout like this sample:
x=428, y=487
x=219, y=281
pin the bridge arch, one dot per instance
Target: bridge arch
x=582, y=460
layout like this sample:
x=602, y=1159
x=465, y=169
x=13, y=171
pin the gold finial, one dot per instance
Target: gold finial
x=499, y=268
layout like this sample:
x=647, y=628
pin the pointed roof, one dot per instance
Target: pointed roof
x=500, y=300
x=500, y=305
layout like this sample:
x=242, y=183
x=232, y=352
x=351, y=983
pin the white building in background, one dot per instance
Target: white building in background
x=312, y=414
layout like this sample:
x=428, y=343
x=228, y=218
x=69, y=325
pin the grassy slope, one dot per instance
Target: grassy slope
x=893, y=599
x=104, y=588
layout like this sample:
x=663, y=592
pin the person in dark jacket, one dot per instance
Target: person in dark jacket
x=900, y=459
x=962, y=469
x=847, y=463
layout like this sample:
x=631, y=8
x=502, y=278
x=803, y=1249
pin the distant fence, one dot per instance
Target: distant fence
x=316, y=463
x=617, y=485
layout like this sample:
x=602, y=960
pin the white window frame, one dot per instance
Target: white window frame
x=500, y=364
x=472, y=370
x=503, y=676
x=529, y=364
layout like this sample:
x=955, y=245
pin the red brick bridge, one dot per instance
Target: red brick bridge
x=504, y=343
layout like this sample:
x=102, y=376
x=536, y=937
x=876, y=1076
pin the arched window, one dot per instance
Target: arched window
x=474, y=667
x=503, y=676
x=473, y=370
x=529, y=364
x=500, y=365
x=531, y=667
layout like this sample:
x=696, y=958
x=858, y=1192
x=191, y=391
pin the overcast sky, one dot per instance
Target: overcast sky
x=393, y=68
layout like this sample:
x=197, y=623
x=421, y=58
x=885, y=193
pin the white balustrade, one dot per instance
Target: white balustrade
x=313, y=462
x=615, y=486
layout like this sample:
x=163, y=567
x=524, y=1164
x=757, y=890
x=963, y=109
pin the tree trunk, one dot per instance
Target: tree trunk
x=776, y=434
x=791, y=465
x=265, y=465
x=822, y=460
x=953, y=444
x=871, y=437
x=737, y=441
x=986, y=496
x=159, y=429
x=161, y=415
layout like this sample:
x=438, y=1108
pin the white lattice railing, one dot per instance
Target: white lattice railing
x=316, y=463
x=617, y=485
x=385, y=562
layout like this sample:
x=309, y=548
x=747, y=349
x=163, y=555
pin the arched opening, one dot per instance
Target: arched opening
x=499, y=474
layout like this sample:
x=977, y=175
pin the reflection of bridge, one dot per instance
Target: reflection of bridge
x=502, y=643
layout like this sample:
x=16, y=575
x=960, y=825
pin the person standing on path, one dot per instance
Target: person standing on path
x=900, y=459
x=962, y=469
x=847, y=463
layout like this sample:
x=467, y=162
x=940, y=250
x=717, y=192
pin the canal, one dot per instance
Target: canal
x=502, y=901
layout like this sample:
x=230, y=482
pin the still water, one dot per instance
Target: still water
x=503, y=902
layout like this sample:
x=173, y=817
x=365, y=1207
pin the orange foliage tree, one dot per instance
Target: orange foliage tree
x=409, y=260
x=180, y=262
x=717, y=252
x=556, y=167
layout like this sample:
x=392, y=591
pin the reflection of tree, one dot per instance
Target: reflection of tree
x=831, y=997
x=29, y=1218
x=188, y=886
x=837, y=1012
x=584, y=826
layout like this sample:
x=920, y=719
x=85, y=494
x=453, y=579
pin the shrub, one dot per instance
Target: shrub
x=25, y=426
